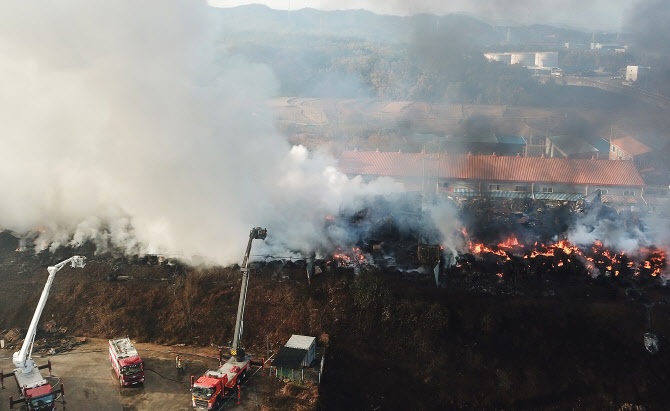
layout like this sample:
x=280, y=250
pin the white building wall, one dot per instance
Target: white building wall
x=636, y=73
x=503, y=57
x=459, y=186
x=546, y=59
x=631, y=73
x=524, y=59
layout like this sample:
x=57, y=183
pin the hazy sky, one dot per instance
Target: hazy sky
x=596, y=14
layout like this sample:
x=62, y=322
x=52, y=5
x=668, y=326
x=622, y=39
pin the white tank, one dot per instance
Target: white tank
x=524, y=59
x=504, y=57
x=546, y=59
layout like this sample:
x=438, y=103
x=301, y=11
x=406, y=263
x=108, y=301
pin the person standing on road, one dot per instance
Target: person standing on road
x=180, y=369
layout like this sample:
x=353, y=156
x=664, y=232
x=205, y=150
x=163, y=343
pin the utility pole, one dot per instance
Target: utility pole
x=611, y=131
x=423, y=171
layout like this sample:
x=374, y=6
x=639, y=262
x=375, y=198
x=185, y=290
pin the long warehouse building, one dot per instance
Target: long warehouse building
x=500, y=176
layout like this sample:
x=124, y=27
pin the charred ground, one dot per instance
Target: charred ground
x=393, y=339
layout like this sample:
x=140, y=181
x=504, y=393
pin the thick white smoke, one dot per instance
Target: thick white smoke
x=445, y=217
x=125, y=123
x=623, y=231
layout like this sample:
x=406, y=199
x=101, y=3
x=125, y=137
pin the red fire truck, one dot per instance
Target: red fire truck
x=209, y=390
x=127, y=364
x=34, y=390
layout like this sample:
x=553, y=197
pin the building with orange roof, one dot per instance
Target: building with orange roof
x=628, y=148
x=498, y=176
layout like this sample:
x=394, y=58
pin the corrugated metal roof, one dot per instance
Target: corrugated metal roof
x=300, y=341
x=621, y=199
x=494, y=194
x=516, y=194
x=487, y=138
x=631, y=146
x=559, y=196
x=601, y=144
x=510, y=139
x=572, y=145
x=479, y=138
x=492, y=168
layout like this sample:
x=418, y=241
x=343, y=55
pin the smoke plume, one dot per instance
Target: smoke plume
x=129, y=127
x=624, y=231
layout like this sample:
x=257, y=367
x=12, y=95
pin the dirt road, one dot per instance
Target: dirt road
x=90, y=382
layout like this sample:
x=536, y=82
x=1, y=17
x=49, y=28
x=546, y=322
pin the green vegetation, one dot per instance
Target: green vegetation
x=433, y=67
x=352, y=68
x=438, y=59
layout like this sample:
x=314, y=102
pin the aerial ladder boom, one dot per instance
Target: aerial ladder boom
x=236, y=350
x=23, y=359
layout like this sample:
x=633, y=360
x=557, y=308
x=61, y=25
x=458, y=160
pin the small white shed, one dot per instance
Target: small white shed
x=304, y=342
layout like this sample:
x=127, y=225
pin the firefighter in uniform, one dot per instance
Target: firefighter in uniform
x=180, y=369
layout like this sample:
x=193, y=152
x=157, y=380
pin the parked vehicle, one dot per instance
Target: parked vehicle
x=34, y=390
x=126, y=363
x=209, y=390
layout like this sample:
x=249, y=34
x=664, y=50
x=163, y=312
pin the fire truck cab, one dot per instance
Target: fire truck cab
x=126, y=363
x=212, y=387
x=36, y=392
x=207, y=392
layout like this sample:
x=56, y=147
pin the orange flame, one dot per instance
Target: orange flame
x=510, y=242
x=596, y=256
x=481, y=249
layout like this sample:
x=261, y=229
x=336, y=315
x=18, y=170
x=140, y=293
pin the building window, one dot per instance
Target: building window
x=494, y=187
x=547, y=189
x=521, y=188
x=444, y=184
x=603, y=191
x=629, y=193
x=462, y=190
x=613, y=149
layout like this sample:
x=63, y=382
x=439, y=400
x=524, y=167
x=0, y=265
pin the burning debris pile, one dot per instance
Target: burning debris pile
x=514, y=239
x=512, y=258
x=388, y=232
x=349, y=258
x=510, y=239
x=500, y=240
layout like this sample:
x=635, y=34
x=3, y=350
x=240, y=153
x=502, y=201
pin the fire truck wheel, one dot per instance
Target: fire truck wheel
x=243, y=375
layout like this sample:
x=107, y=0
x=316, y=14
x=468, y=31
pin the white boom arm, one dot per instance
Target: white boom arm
x=236, y=350
x=23, y=359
